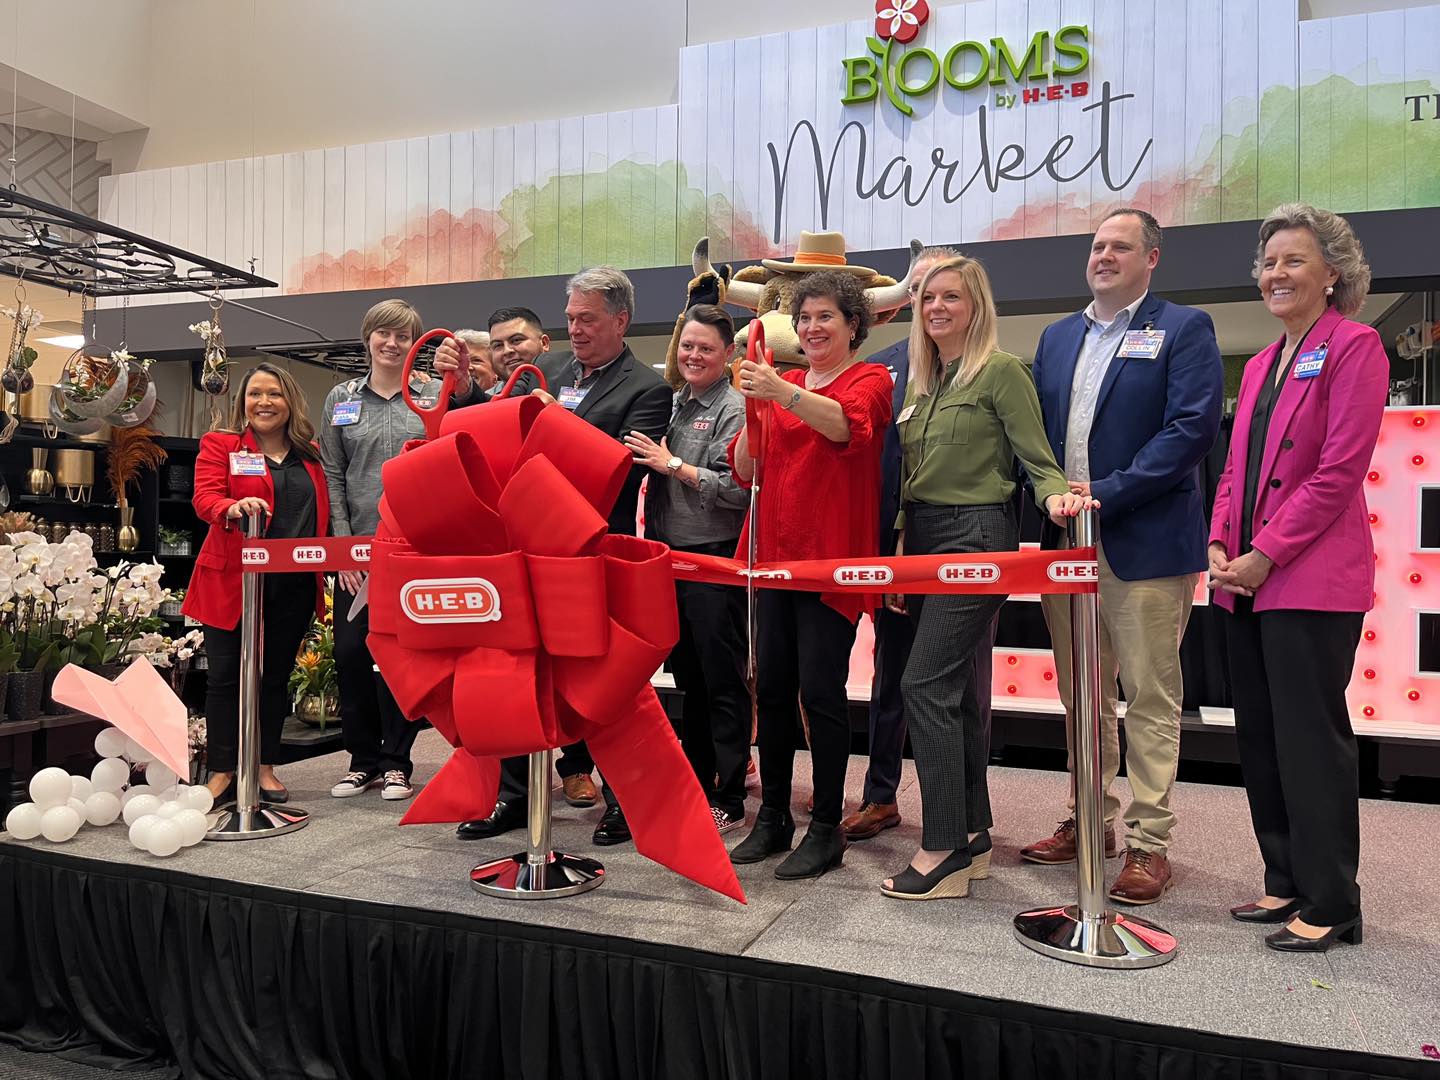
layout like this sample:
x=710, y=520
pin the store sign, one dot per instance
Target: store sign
x=450, y=600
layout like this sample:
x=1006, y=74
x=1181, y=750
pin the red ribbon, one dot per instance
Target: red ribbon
x=503, y=611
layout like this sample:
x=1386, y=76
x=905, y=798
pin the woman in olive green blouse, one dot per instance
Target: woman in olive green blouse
x=970, y=410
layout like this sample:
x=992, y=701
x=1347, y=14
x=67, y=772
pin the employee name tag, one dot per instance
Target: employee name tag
x=345, y=413
x=1308, y=364
x=1141, y=344
x=572, y=396
x=894, y=375
x=905, y=414
x=243, y=464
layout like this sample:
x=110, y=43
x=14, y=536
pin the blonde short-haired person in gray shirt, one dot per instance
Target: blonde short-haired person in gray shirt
x=364, y=424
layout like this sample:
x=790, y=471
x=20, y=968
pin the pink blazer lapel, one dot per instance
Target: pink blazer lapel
x=1293, y=391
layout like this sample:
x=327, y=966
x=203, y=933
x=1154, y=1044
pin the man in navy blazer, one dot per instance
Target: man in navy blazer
x=1131, y=390
x=895, y=633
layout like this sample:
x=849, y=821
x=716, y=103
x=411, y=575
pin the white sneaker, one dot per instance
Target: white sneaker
x=355, y=783
x=396, y=786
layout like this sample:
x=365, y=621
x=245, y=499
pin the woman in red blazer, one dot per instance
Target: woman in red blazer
x=267, y=462
x=1293, y=563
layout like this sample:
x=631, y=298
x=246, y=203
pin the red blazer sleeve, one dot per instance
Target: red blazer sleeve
x=212, y=478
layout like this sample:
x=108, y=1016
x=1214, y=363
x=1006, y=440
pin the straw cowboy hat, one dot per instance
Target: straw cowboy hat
x=818, y=251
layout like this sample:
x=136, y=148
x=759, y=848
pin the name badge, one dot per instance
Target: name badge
x=1308, y=364
x=1141, y=344
x=345, y=413
x=701, y=425
x=572, y=396
x=905, y=414
x=894, y=375
x=243, y=464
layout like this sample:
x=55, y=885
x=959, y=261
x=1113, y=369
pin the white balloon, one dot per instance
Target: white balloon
x=59, y=824
x=135, y=752
x=78, y=805
x=140, y=830
x=163, y=839
x=112, y=774
x=110, y=743
x=159, y=775
x=23, y=822
x=50, y=787
x=168, y=810
x=134, y=791
x=173, y=793
x=198, y=797
x=193, y=826
x=102, y=808
x=139, y=807
x=81, y=788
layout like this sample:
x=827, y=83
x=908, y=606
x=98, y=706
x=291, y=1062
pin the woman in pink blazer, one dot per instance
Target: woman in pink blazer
x=1291, y=560
x=266, y=463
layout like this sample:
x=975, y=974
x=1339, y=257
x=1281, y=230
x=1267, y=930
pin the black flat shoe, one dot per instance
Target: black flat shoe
x=773, y=833
x=274, y=795
x=1351, y=933
x=950, y=879
x=612, y=828
x=1254, y=913
x=822, y=849
x=504, y=818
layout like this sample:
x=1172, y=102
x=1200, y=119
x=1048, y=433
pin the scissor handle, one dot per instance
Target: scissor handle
x=757, y=418
x=435, y=415
x=515, y=377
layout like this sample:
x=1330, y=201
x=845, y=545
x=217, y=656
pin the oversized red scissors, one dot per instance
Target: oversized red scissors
x=757, y=433
x=435, y=414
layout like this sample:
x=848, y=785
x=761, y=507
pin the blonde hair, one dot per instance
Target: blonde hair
x=926, y=363
x=298, y=429
x=390, y=315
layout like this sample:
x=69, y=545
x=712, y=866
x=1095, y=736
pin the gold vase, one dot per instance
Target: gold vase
x=128, y=538
x=38, y=480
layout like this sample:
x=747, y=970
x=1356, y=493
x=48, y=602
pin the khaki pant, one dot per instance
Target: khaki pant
x=1141, y=624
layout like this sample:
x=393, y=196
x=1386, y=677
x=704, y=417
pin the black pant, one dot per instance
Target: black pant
x=575, y=760
x=894, y=637
x=375, y=730
x=289, y=606
x=708, y=663
x=803, y=650
x=1288, y=673
x=952, y=746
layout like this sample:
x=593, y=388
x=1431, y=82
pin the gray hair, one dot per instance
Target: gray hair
x=1339, y=247
x=610, y=283
x=1150, y=234
x=938, y=253
x=480, y=339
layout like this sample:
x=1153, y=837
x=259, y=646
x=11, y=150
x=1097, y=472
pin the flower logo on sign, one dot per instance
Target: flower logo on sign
x=900, y=19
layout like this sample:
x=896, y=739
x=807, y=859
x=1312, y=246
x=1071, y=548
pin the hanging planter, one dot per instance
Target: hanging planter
x=139, y=400
x=70, y=422
x=215, y=368
x=19, y=358
x=90, y=385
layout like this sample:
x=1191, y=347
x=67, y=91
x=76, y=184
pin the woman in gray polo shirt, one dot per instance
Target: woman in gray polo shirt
x=693, y=504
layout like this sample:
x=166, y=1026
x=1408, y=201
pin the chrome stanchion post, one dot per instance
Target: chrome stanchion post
x=1087, y=932
x=248, y=817
x=538, y=873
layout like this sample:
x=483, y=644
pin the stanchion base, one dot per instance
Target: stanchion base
x=1114, y=941
x=513, y=877
x=268, y=819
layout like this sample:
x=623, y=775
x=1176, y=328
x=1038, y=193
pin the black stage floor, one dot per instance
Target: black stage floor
x=362, y=951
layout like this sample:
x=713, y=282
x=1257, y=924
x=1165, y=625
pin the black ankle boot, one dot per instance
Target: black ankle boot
x=773, y=833
x=822, y=849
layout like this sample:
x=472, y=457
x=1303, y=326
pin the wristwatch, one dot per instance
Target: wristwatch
x=794, y=399
x=673, y=465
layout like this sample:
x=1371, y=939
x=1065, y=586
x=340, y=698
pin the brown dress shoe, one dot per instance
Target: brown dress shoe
x=579, y=790
x=870, y=819
x=1060, y=848
x=1144, y=879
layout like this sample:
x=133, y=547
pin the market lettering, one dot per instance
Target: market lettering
x=899, y=177
x=1416, y=100
x=966, y=65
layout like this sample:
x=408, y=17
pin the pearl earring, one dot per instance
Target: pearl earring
x=1329, y=290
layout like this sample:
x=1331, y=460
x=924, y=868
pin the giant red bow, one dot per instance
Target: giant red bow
x=503, y=611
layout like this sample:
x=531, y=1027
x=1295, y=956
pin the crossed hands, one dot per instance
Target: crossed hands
x=1242, y=576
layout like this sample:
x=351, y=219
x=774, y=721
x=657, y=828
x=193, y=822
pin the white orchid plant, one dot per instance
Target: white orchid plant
x=57, y=606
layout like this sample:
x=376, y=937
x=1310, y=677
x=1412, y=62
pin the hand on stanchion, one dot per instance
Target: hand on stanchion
x=1087, y=932
x=248, y=817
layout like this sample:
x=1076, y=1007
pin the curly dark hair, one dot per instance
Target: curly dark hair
x=844, y=291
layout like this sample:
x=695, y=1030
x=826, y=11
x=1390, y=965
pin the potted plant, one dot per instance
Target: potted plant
x=171, y=606
x=314, y=683
x=132, y=451
x=174, y=541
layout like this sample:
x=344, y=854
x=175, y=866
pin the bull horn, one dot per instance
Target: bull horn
x=885, y=298
x=744, y=294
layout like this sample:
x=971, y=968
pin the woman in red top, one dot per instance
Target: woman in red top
x=819, y=499
x=266, y=463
